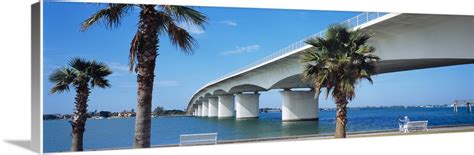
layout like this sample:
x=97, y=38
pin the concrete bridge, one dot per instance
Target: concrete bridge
x=402, y=41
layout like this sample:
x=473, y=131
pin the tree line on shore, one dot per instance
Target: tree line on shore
x=158, y=111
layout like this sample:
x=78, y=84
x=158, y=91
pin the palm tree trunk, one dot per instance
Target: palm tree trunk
x=341, y=116
x=78, y=121
x=146, y=58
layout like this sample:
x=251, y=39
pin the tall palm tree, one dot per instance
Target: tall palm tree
x=153, y=21
x=79, y=74
x=339, y=62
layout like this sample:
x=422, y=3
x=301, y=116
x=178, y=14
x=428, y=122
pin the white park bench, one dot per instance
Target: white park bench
x=414, y=126
x=198, y=139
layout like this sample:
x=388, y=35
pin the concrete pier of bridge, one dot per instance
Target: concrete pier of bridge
x=205, y=108
x=199, y=109
x=246, y=105
x=299, y=106
x=212, y=107
x=225, y=106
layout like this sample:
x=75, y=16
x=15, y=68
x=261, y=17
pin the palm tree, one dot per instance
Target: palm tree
x=339, y=62
x=153, y=21
x=79, y=74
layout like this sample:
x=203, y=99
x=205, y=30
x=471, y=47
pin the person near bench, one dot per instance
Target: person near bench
x=406, y=125
x=404, y=122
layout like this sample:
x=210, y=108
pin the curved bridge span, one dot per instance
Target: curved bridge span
x=402, y=41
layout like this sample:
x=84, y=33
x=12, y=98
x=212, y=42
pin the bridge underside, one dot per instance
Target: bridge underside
x=387, y=66
x=413, y=64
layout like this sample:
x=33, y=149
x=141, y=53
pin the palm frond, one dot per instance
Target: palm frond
x=100, y=82
x=79, y=64
x=180, y=37
x=98, y=71
x=110, y=16
x=133, y=51
x=59, y=88
x=80, y=71
x=186, y=15
x=61, y=78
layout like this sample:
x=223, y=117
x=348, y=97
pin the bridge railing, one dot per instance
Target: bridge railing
x=351, y=23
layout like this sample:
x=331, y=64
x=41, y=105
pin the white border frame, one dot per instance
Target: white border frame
x=451, y=7
x=37, y=77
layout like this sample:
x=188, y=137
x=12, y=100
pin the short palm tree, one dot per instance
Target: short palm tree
x=153, y=21
x=80, y=74
x=338, y=62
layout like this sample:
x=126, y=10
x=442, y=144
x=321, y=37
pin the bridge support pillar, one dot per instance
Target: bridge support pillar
x=225, y=106
x=205, y=108
x=212, y=107
x=246, y=105
x=299, y=106
x=199, y=110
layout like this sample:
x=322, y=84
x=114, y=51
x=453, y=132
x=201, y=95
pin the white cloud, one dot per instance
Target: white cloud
x=119, y=69
x=54, y=66
x=240, y=50
x=229, y=23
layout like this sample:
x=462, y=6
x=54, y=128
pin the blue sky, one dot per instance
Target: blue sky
x=233, y=38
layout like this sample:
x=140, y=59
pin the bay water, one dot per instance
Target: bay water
x=118, y=132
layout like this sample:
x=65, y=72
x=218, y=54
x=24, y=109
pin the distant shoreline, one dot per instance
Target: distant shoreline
x=122, y=117
x=322, y=109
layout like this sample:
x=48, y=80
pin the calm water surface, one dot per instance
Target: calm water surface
x=114, y=133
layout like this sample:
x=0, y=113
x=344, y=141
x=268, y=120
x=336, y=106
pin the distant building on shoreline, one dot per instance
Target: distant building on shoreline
x=126, y=114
